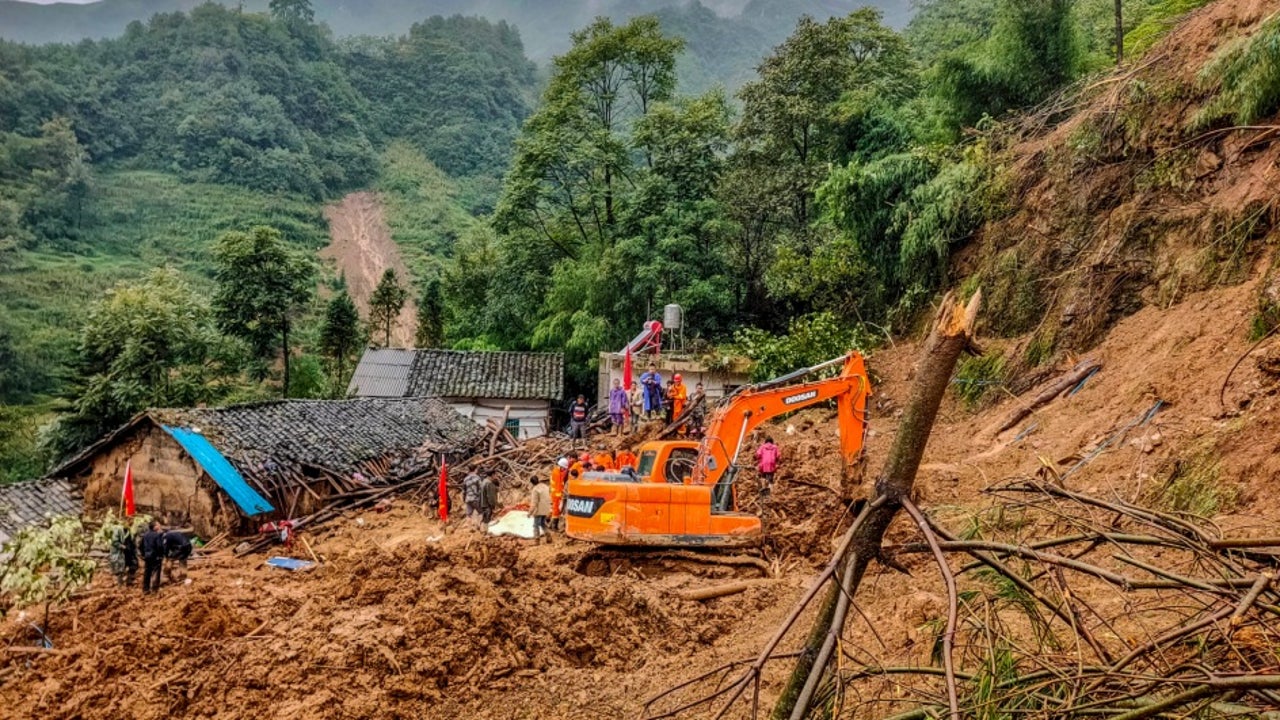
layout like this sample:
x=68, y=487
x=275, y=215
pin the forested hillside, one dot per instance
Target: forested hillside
x=138, y=152
x=821, y=205
x=824, y=210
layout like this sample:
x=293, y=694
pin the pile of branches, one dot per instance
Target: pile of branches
x=1178, y=619
x=1074, y=606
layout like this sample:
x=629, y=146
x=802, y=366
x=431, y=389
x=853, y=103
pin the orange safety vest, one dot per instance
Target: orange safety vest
x=604, y=460
x=626, y=458
x=557, y=489
x=679, y=396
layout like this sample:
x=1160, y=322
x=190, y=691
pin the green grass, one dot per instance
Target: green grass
x=1195, y=487
x=135, y=221
x=1158, y=21
x=977, y=377
x=425, y=209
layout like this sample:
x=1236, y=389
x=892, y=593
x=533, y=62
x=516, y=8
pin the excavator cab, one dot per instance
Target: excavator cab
x=667, y=462
x=683, y=493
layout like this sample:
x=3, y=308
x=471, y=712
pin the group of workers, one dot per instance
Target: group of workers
x=480, y=498
x=649, y=400
x=156, y=545
x=571, y=467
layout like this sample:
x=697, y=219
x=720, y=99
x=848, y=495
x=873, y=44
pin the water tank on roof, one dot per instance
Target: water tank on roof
x=673, y=317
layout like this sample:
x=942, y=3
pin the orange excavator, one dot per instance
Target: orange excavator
x=683, y=493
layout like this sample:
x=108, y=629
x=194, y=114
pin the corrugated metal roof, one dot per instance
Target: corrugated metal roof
x=383, y=372
x=227, y=477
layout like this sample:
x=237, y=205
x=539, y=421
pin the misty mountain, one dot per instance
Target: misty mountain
x=544, y=25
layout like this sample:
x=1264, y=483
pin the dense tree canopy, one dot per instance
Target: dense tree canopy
x=262, y=285
x=151, y=343
x=270, y=101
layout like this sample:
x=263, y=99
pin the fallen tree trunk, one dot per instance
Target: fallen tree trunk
x=1064, y=383
x=718, y=591
x=952, y=335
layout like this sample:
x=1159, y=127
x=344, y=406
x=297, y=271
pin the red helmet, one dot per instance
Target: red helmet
x=677, y=377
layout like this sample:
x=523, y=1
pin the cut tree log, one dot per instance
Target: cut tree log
x=718, y=591
x=1050, y=392
x=952, y=335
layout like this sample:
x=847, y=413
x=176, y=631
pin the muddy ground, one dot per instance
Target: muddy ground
x=409, y=618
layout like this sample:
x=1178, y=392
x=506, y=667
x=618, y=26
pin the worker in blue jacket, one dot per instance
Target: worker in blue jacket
x=652, y=384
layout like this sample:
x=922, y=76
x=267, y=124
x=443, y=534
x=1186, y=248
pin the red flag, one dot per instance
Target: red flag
x=626, y=371
x=443, y=489
x=126, y=493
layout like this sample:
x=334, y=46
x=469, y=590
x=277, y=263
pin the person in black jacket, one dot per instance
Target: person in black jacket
x=152, y=557
x=177, y=548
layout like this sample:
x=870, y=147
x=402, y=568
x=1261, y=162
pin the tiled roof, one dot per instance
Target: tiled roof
x=336, y=435
x=31, y=503
x=459, y=374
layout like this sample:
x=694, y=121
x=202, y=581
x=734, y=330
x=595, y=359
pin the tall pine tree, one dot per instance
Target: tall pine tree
x=385, y=304
x=430, y=331
x=340, y=334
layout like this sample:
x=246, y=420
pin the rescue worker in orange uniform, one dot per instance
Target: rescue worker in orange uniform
x=559, y=473
x=576, y=468
x=625, y=458
x=604, y=460
x=678, y=393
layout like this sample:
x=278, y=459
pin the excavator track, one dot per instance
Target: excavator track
x=601, y=561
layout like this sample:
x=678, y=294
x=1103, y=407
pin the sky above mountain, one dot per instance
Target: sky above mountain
x=545, y=25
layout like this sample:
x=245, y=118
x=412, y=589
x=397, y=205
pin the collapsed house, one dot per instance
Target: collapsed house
x=222, y=470
x=513, y=390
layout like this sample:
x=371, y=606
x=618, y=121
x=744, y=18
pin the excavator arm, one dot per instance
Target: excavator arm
x=743, y=412
x=665, y=507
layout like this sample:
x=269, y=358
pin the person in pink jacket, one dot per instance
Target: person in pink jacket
x=767, y=463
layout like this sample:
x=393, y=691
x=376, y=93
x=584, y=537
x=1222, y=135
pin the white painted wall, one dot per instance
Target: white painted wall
x=534, y=415
x=715, y=384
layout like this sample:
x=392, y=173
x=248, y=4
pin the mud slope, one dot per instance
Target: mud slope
x=1118, y=199
x=362, y=250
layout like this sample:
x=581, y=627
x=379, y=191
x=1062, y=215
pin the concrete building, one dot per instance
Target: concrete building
x=717, y=379
x=517, y=389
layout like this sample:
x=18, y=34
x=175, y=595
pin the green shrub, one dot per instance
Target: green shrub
x=1194, y=487
x=976, y=377
x=809, y=340
x=1246, y=76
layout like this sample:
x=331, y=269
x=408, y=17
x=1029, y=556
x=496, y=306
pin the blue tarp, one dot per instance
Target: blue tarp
x=285, y=563
x=222, y=472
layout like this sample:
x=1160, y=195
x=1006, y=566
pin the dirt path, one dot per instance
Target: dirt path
x=362, y=249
